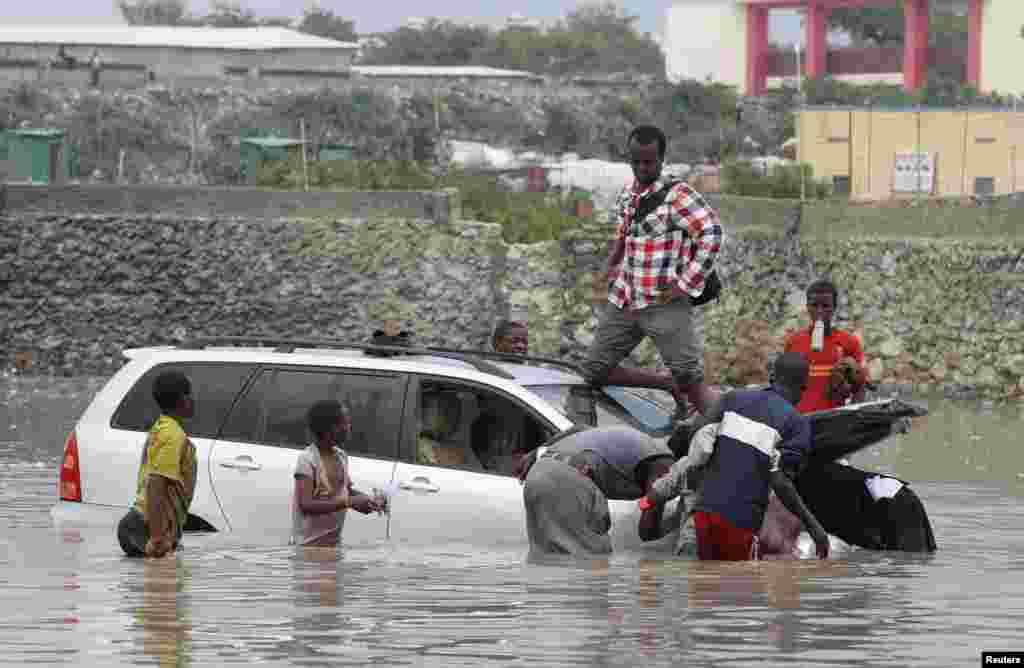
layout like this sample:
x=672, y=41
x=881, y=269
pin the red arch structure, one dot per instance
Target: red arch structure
x=915, y=44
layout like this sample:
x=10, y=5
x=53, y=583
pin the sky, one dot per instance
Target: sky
x=368, y=16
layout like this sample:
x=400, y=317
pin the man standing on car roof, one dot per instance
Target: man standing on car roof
x=657, y=265
x=568, y=482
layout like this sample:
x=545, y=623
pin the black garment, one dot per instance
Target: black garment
x=838, y=497
x=133, y=534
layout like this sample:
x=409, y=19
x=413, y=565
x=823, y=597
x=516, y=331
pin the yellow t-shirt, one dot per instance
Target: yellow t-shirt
x=169, y=453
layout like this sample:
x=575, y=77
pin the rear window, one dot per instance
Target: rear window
x=214, y=389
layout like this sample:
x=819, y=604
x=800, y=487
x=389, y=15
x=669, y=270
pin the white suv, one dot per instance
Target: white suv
x=251, y=397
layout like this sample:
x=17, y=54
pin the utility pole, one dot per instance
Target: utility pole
x=305, y=169
x=799, y=119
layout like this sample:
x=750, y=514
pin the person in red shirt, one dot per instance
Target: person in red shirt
x=825, y=347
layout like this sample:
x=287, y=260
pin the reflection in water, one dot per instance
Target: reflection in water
x=71, y=598
x=164, y=613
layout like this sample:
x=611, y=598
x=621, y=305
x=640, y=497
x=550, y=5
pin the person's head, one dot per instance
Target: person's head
x=646, y=145
x=172, y=392
x=511, y=336
x=789, y=375
x=822, y=299
x=329, y=421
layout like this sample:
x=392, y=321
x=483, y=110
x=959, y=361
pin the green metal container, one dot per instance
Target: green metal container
x=37, y=155
x=258, y=149
x=336, y=152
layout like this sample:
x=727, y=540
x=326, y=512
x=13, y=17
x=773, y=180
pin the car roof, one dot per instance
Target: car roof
x=521, y=370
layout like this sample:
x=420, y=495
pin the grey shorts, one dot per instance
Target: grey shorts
x=676, y=329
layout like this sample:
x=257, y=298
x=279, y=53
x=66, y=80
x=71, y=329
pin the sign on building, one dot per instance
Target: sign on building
x=914, y=173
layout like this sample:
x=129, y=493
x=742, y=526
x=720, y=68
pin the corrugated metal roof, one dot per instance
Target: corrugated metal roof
x=272, y=142
x=263, y=38
x=428, y=71
x=36, y=132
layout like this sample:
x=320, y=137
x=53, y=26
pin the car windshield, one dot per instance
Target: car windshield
x=645, y=409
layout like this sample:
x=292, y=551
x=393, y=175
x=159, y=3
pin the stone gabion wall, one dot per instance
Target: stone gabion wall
x=76, y=290
x=935, y=315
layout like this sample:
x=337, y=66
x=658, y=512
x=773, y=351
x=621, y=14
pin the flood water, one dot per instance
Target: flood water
x=71, y=598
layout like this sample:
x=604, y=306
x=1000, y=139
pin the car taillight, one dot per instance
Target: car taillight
x=70, y=474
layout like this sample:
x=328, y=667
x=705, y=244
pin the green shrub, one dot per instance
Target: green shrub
x=525, y=217
x=781, y=182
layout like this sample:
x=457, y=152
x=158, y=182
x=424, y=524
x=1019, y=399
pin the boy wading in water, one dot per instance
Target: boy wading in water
x=323, y=488
x=167, y=475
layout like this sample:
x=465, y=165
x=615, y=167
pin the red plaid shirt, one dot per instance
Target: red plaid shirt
x=677, y=243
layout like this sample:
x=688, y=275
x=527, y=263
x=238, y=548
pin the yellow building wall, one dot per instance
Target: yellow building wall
x=1002, y=49
x=988, y=151
x=942, y=134
x=965, y=144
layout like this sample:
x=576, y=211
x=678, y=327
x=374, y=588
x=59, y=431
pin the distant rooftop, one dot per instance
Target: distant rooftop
x=263, y=38
x=430, y=71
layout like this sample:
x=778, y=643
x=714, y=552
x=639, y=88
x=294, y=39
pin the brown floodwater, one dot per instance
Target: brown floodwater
x=71, y=598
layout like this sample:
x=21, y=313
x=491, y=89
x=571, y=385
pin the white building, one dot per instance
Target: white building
x=137, y=54
x=704, y=40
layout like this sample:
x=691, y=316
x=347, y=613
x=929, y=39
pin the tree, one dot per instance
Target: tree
x=879, y=25
x=883, y=26
x=229, y=14
x=154, y=12
x=324, y=23
x=441, y=43
x=615, y=43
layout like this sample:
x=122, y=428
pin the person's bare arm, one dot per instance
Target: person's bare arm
x=790, y=498
x=615, y=255
x=362, y=502
x=650, y=525
x=310, y=506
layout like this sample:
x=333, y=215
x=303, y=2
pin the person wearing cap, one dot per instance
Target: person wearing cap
x=568, y=482
x=323, y=488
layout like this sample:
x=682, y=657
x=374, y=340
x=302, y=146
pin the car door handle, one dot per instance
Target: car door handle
x=419, y=484
x=242, y=463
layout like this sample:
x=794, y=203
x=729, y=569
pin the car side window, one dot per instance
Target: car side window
x=473, y=428
x=273, y=410
x=215, y=386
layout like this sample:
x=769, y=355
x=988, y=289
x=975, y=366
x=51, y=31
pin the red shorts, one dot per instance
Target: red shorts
x=721, y=540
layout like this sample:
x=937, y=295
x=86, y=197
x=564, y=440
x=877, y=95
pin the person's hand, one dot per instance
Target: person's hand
x=599, y=287
x=671, y=294
x=522, y=461
x=366, y=505
x=821, y=544
x=158, y=547
x=901, y=426
x=842, y=391
x=382, y=502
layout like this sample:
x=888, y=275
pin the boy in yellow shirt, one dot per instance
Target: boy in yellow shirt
x=167, y=475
